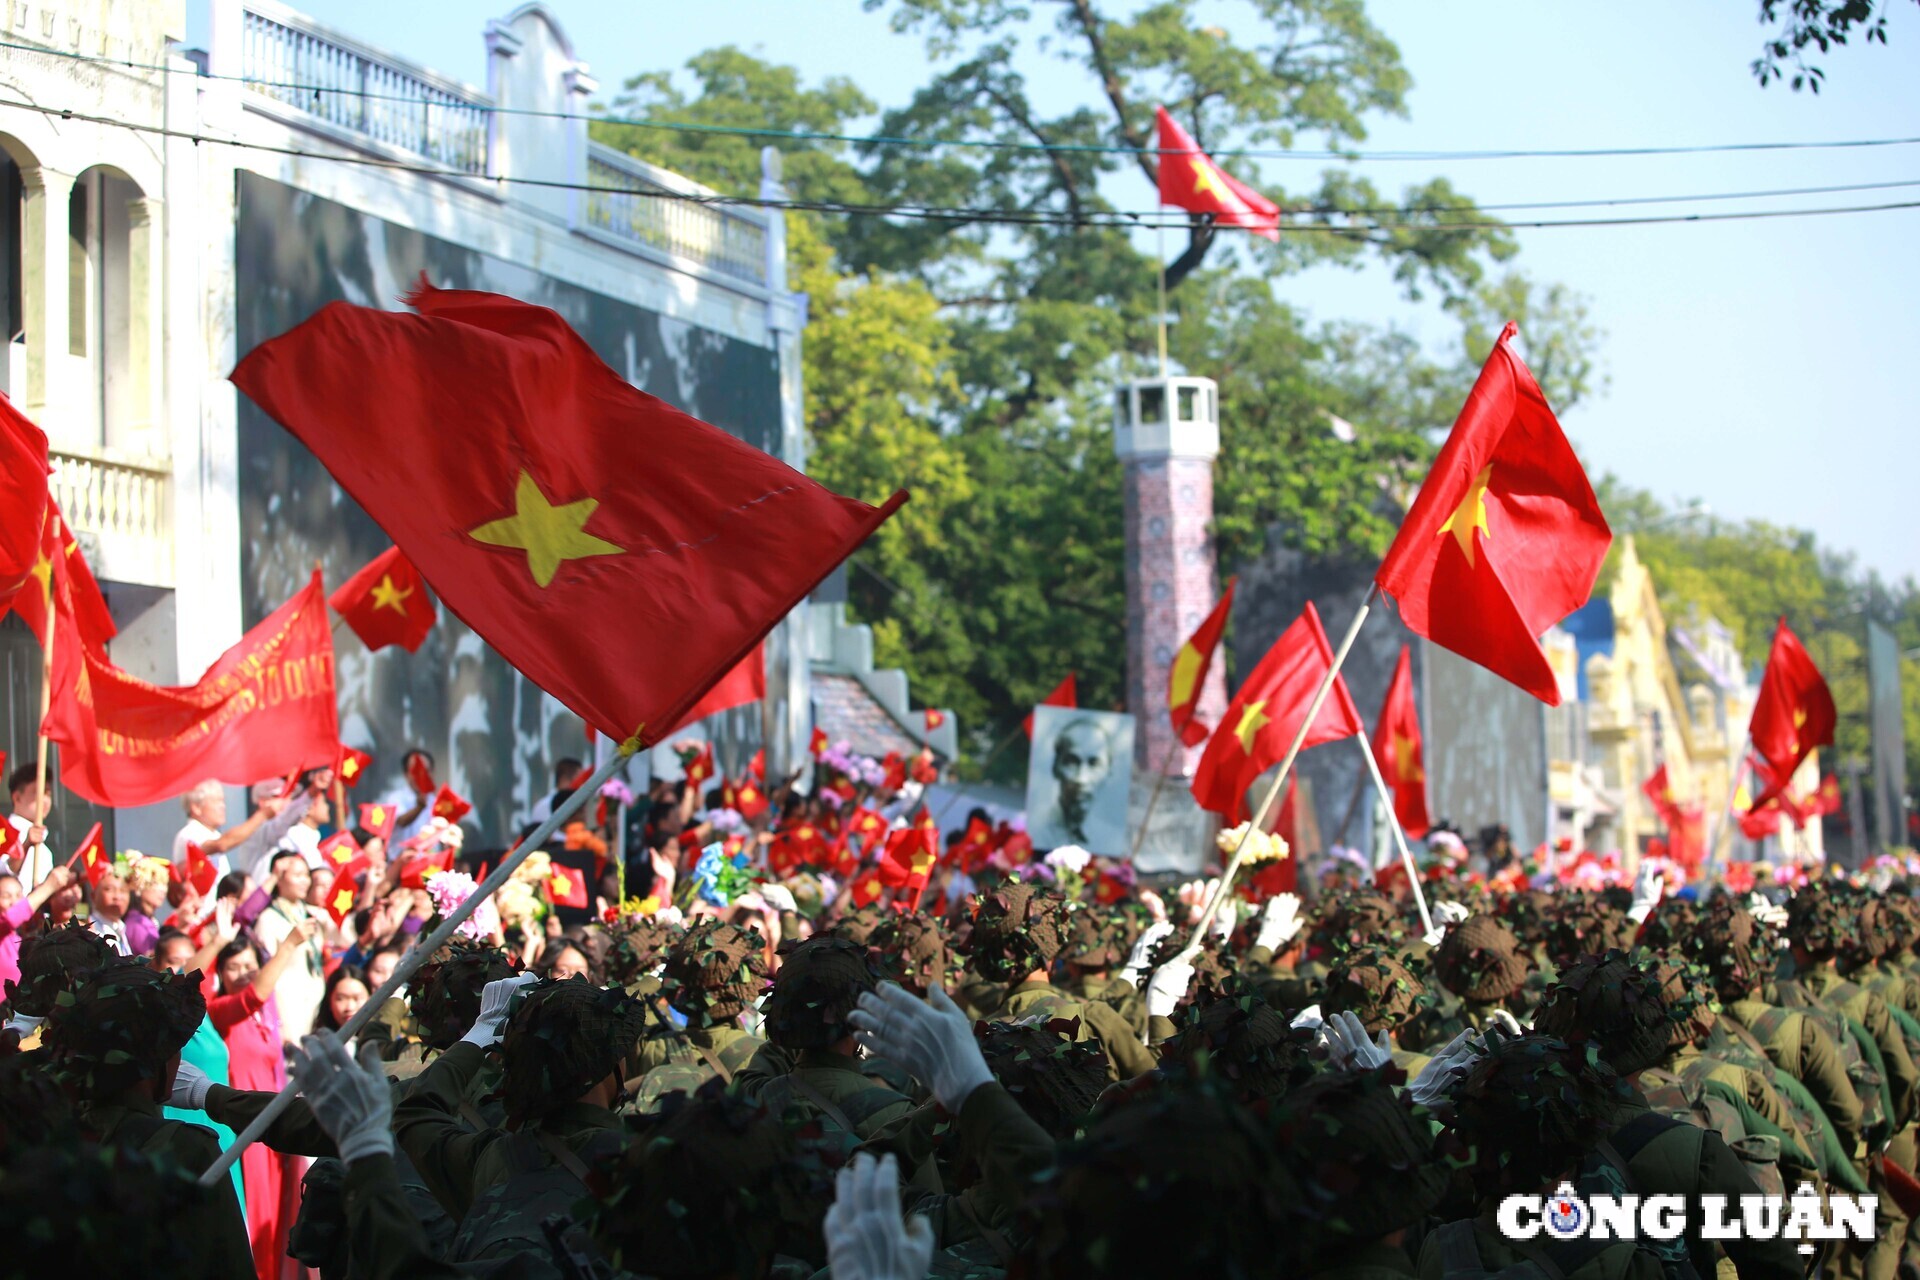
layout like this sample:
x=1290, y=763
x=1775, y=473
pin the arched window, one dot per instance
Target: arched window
x=104, y=211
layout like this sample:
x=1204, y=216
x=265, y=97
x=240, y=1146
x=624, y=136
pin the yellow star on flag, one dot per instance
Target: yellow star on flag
x=388, y=596
x=1406, y=766
x=342, y=902
x=550, y=535
x=1253, y=718
x=1186, y=674
x=1206, y=179
x=1471, y=514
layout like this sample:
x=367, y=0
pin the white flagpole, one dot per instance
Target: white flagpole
x=1399, y=835
x=1272, y=797
x=413, y=959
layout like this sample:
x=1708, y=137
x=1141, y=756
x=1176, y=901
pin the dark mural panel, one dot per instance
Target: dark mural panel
x=493, y=733
x=1486, y=749
x=1888, y=736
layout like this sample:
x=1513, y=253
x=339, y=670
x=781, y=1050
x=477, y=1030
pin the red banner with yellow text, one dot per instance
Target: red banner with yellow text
x=267, y=707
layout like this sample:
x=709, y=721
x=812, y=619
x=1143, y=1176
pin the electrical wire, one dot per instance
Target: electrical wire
x=1334, y=221
x=1045, y=148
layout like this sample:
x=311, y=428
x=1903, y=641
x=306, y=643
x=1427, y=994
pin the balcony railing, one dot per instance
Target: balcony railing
x=732, y=242
x=289, y=58
x=124, y=506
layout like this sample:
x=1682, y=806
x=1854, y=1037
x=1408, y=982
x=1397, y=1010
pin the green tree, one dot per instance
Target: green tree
x=1800, y=25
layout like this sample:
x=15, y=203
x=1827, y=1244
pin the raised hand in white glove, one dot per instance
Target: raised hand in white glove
x=1309, y=1017
x=779, y=897
x=1507, y=1023
x=351, y=1102
x=1449, y=913
x=1168, y=984
x=931, y=1038
x=1143, y=948
x=1224, y=921
x=1280, y=922
x=190, y=1085
x=1431, y=1086
x=1766, y=913
x=1647, y=886
x=494, y=999
x=866, y=1238
x=1350, y=1049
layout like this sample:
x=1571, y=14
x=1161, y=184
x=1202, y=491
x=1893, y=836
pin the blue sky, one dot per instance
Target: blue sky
x=1768, y=368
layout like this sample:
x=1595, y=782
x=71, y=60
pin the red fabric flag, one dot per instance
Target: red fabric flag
x=451, y=805
x=866, y=827
x=698, y=765
x=420, y=775
x=749, y=800
x=23, y=499
x=339, y=849
x=1505, y=538
x=817, y=744
x=867, y=888
x=59, y=579
x=378, y=819
x=974, y=845
x=908, y=860
x=351, y=765
x=1065, y=694
x=92, y=856
x=417, y=870
x=757, y=766
x=1188, y=673
x=935, y=718
x=1190, y=180
x=896, y=771
x=1016, y=848
x=746, y=683
x=1826, y=801
x=926, y=769
x=566, y=886
x=527, y=481
x=266, y=706
x=1267, y=712
x=386, y=603
x=345, y=891
x=1659, y=793
x=200, y=872
x=1793, y=716
x=1397, y=749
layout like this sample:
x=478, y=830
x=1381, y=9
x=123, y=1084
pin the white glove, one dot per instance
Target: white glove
x=494, y=999
x=351, y=1102
x=1224, y=920
x=1348, y=1047
x=866, y=1239
x=1280, y=922
x=1431, y=1086
x=1143, y=948
x=779, y=897
x=1309, y=1018
x=190, y=1085
x=1168, y=984
x=1449, y=913
x=931, y=1038
x=1646, y=892
x=1765, y=912
x=1507, y=1023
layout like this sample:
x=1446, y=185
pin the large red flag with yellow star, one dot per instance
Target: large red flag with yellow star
x=1506, y=537
x=1793, y=715
x=1267, y=712
x=621, y=553
x=1190, y=180
x=23, y=497
x=386, y=603
x=1187, y=673
x=1396, y=747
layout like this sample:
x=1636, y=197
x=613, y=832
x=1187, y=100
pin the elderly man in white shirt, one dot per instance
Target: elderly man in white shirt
x=28, y=857
x=206, y=807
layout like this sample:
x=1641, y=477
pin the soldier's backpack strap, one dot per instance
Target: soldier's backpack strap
x=1631, y=1138
x=996, y=1240
x=823, y=1102
x=562, y=1154
x=711, y=1059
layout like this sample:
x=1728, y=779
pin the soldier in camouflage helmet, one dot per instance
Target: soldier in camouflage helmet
x=115, y=1041
x=1357, y=917
x=1055, y=1077
x=1481, y=963
x=812, y=1067
x=1018, y=933
x=714, y=973
x=1366, y=1170
x=858, y=925
x=916, y=951
x=636, y=946
x=50, y=963
x=1583, y=925
x=1380, y=989
x=1530, y=1113
x=1176, y=1178
x=1239, y=1038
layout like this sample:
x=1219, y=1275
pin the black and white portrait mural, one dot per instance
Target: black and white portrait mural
x=1078, y=778
x=494, y=736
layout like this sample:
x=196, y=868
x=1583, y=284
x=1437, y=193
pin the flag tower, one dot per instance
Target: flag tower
x=1167, y=434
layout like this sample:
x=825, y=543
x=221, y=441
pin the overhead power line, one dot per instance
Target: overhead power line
x=1045, y=148
x=1333, y=221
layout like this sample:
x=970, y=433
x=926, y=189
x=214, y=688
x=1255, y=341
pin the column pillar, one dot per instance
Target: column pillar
x=145, y=358
x=45, y=264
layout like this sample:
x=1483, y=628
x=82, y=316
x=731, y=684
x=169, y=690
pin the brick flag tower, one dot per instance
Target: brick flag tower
x=1167, y=434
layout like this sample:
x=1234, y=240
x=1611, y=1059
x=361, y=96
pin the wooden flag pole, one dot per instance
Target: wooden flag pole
x=46, y=707
x=416, y=957
x=1160, y=256
x=1399, y=835
x=1160, y=781
x=1272, y=797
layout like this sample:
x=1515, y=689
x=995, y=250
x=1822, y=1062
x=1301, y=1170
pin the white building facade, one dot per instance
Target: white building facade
x=166, y=209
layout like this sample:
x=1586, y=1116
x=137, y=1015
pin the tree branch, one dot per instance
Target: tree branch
x=1200, y=231
x=1060, y=167
x=1110, y=82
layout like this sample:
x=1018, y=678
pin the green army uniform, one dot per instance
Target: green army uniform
x=1764, y=1110
x=1126, y=1056
x=1801, y=1047
x=1476, y=1248
x=1010, y=1150
x=682, y=1063
x=1822, y=984
x=979, y=997
x=384, y=1238
x=136, y=1123
x=1281, y=986
x=833, y=1087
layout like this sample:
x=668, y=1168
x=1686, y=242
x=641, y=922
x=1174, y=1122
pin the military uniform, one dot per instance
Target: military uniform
x=835, y=1088
x=1126, y=1056
x=1799, y=1046
x=1477, y=1247
x=136, y=1123
x=683, y=1062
